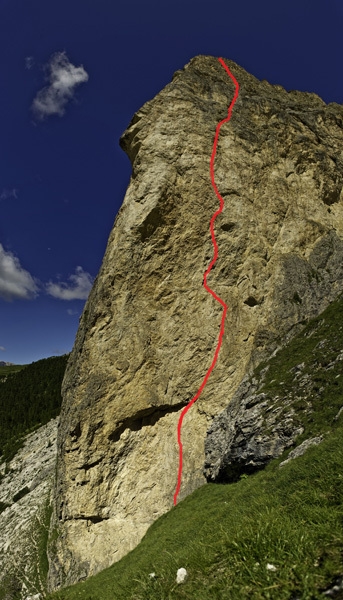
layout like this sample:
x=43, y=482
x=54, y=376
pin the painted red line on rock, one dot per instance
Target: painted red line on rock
x=225, y=307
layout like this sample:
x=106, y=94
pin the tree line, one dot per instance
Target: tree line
x=28, y=398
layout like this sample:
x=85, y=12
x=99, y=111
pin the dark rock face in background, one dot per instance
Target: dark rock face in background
x=149, y=329
x=247, y=435
x=237, y=442
x=273, y=408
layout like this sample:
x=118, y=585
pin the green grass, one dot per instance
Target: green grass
x=40, y=533
x=318, y=401
x=224, y=535
x=328, y=327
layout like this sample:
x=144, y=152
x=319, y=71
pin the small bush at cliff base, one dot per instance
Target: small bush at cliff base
x=227, y=535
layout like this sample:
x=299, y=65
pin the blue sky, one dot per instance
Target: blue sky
x=72, y=75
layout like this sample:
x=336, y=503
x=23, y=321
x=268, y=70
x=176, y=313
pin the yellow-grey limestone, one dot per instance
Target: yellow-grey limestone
x=149, y=329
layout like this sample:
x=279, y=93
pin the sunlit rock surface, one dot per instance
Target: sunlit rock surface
x=149, y=329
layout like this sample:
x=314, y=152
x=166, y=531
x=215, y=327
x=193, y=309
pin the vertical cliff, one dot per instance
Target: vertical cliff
x=149, y=329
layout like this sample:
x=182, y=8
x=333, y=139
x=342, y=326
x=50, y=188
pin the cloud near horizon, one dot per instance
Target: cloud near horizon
x=63, y=79
x=6, y=194
x=78, y=289
x=15, y=282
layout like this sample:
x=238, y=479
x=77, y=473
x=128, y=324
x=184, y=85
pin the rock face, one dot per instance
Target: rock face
x=279, y=402
x=237, y=441
x=300, y=450
x=25, y=489
x=149, y=329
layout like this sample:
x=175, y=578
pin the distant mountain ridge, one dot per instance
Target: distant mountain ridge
x=6, y=364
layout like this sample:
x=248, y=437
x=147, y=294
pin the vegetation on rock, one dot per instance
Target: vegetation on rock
x=293, y=397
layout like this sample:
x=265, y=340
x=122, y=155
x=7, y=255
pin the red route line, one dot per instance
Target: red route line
x=225, y=307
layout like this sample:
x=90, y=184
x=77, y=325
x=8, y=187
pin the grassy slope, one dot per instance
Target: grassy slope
x=316, y=390
x=290, y=517
x=224, y=535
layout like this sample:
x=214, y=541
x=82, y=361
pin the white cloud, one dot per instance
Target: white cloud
x=63, y=79
x=72, y=312
x=29, y=62
x=2, y=348
x=6, y=194
x=78, y=289
x=15, y=282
